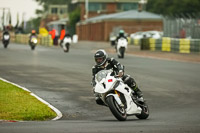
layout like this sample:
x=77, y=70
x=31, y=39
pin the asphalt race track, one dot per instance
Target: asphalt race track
x=171, y=88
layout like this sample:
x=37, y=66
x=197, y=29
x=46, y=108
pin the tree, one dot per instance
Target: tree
x=46, y=3
x=74, y=17
x=74, y=11
x=174, y=7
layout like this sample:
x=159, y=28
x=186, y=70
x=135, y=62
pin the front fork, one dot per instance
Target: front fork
x=116, y=97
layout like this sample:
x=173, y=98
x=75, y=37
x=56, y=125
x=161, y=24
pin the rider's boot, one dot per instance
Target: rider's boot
x=98, y=99
x=138, y=93
x=132, y=84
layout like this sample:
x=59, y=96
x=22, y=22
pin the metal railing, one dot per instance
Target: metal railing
x=182, y=27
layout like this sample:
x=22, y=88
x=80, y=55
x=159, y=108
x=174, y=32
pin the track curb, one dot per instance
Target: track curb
x=59, y=114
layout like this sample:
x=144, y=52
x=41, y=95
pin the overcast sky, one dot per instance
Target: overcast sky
x=19, y=6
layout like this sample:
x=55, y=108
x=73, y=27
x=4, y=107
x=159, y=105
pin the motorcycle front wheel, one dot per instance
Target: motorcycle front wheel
x=32, y=47
x=118, y=111
x=5, y=44
x=122, y=51
x=67, y=46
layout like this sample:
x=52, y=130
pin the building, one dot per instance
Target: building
x=98, y=7
x=54, y=13
x=99, y=28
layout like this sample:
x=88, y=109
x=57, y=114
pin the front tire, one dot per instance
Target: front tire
x=67, y=46
x=117, y=111
x=5, y=44
x=32, y=47
x=122, y=51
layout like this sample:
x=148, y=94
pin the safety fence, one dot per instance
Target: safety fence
x=169, y=44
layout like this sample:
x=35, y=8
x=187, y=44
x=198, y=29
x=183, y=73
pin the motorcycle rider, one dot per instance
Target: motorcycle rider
x=6, y=33
x=104, y=62
x=33, y=34
x=67, y=35
x=62, y=34
x=121, y=35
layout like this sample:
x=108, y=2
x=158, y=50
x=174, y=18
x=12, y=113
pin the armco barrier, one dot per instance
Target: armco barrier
x=174, y=45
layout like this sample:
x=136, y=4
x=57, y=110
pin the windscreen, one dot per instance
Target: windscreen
x=102, y=74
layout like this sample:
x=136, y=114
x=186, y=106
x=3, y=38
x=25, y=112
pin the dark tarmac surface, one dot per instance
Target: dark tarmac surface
x=170, y=87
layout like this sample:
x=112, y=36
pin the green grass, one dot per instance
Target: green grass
x=18, y=104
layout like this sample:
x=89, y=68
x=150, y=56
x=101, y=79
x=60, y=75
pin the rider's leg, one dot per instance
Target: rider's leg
x=132, y=84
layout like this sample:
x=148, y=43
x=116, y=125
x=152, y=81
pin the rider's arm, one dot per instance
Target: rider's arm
x=126, y=38
x=94, y=71
x=118, y=66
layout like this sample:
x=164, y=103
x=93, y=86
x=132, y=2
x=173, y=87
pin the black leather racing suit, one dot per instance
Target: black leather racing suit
x=113, y=64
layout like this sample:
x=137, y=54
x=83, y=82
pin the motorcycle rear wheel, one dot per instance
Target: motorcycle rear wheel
x=145, y=112
x=117, y=111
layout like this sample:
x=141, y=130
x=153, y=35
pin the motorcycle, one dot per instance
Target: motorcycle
x=121, y=47
x=66, y=43
x=113, y=40
x=119, y=97
x=6, y=40
x=33, y=42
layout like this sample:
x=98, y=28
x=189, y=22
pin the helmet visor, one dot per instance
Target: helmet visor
x=99, y=60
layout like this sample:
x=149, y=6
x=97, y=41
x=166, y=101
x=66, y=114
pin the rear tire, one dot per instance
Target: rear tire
x=145, y=112
x=117, y=111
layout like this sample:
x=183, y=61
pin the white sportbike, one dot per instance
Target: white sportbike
x=121, y=47
x=119, y=96
x=66, y=43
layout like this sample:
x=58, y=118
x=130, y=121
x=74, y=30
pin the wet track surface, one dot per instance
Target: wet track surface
x=171, y=89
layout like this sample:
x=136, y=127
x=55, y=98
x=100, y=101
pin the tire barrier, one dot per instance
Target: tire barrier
x=166, y=44
x=132, y=41
x=173, y=45
x=24, y=39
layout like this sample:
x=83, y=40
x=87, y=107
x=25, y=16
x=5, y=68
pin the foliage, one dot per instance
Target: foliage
x=74, y=11
x=74, y=17
x=45, y=3
x=174, y=7
x=34, y=23
x=17, y=104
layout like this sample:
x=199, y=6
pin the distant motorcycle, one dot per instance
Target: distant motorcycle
x=121, y=47
x=119, y=96
x=33, y=42
x=66, y=43
x=113, y=40
x=6, y=40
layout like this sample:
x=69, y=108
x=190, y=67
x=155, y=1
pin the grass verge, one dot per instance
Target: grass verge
x=18, y=104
